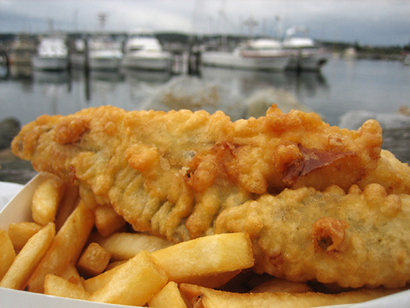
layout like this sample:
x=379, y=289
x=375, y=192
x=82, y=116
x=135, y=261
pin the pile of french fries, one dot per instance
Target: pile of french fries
x=74, y=251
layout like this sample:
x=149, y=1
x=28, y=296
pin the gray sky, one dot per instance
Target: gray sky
x=370, y=22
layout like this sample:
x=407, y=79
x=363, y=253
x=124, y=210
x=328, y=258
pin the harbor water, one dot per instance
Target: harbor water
x=381, y=87
x=378, y=86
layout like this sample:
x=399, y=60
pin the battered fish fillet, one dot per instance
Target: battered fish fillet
x=355, y=239
x=174, y=174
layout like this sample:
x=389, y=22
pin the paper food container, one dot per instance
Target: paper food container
x=18, y=210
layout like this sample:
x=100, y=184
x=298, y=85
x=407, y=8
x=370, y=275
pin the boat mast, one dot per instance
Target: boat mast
x=102, y=18
x=251, y=23
x=278, y=28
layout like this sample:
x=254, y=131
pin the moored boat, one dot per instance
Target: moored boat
x=307, y=55
x=143, y=51
x=52, y=54
x=104, y=53
x=406, y=60
x=259, y=54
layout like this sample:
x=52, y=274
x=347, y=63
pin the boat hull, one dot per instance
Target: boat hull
x=308, y=62
x=77, y=60
x=230, y=60
x=147, y=63
x=104, y=63
x=50, y=63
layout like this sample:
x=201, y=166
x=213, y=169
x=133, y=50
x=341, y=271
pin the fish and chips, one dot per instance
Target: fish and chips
x=208, y=205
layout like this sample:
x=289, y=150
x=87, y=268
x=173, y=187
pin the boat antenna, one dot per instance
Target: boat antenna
x=251, y=23
x=102, y=18
x=278, y=27
x=51, y=25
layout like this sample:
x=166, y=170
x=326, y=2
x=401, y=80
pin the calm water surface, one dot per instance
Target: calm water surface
x=380, y=86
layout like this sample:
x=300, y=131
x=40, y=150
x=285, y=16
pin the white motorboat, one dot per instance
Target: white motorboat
x=259, y=54
x=52, y=54
x=306, y=54
x=143, y=51
x=104, y=53
x=406, y=60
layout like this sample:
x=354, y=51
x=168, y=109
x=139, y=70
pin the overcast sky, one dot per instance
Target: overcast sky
x=369, y=22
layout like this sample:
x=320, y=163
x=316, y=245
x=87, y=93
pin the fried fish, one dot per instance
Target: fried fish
x=173, y=174
x=354, y=239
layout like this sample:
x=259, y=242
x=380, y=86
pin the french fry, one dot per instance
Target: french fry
x=57, y=286
x=107, y=221
x=169, y=296
x=94, y=260
x=210, y=298
x=213, y=281
x=193, y=261
x=21, y=232
x=66, y=244
x=67, y=205
x=134, y=283
x=71, y=274
x=97, y=282
x=28, y=258
x=7, y=254
x=206, y=256
x=46, y=199
x=281, y=285
x=124, y=246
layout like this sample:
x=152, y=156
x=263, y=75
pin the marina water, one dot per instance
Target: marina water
x=378, y=86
